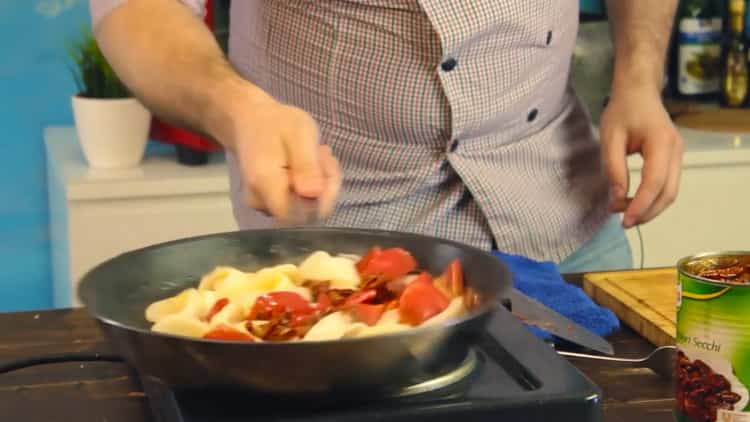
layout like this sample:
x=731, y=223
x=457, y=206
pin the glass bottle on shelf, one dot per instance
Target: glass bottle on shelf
x=734, y=66
x=697, y=70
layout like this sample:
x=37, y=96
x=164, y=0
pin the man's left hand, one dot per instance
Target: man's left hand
x=636, y=122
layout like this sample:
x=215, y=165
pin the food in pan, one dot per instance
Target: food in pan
x=325, y=297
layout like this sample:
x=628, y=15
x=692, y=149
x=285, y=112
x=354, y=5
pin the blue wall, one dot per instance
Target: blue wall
x=36, y=87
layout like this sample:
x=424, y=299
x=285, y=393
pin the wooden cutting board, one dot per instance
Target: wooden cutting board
x=645, y=300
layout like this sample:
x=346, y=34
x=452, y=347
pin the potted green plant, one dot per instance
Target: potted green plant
x=112, y=125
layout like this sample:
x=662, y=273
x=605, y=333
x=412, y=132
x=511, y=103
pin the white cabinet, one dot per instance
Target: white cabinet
x=98, y=214
x=710, y=213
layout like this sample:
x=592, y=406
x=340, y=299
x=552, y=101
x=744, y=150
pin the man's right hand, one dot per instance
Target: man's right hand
x=279, y=151
x=184, y=78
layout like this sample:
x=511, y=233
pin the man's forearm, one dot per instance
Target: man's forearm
x=173, y=64
x=641, y=31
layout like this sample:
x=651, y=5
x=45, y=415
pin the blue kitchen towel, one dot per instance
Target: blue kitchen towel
x=543, y=282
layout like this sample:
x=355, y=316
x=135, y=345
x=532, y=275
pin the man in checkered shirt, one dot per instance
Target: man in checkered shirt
x=452, y=118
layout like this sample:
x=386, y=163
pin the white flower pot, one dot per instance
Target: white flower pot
x=112, y=132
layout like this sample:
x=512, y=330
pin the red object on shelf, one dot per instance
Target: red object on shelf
x=166, y=133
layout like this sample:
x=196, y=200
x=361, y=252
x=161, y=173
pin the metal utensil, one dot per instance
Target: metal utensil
x=532, y=312
x=661, y=360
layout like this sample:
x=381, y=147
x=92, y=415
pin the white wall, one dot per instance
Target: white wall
x=711, y=212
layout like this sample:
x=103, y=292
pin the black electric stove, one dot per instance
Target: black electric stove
x=510, y=375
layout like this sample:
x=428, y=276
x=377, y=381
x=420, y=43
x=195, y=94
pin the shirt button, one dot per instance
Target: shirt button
x=454, y=145
x=449, y=64
x=549, y=37
x=532, y=115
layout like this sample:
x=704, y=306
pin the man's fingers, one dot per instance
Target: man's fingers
x=303, y=149
x=332, y=174
x=252, y=199
x=614, y=146
x=656, y=166
x=672, y=186
x=267, y=179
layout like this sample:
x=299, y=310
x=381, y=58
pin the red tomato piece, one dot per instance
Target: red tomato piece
x=362, y=263
x=218, y=306
x=303, y=319
x=368, y=313
x=323, y=304
x=276, y=303
x=421, y=301
x=441, y=284
x=422, y=278
x=362, y=296
x=225, y=332
x=391, y=305
x=390, y=264
x=454, y=278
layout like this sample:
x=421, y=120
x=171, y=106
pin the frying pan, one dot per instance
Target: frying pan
x=117, y=292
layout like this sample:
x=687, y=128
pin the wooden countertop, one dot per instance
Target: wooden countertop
x=109, y=392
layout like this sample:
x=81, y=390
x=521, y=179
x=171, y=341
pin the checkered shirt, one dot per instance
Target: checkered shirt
x=450, y=118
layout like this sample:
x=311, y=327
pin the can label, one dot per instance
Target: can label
x=699, y=54
x=713, y=341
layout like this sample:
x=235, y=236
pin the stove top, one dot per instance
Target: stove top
x=512, y=375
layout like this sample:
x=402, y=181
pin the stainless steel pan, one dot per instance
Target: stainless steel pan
x=117, y=292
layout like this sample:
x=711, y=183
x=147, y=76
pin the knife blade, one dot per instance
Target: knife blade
x=535, y=313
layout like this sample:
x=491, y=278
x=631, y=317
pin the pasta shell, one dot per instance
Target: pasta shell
x=454, y=310
x=333, y=327
x=189, y=302
x=341, y=272
x=181, y=324
x=216, y=278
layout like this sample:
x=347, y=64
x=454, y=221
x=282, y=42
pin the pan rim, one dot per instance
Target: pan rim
x=488, y=307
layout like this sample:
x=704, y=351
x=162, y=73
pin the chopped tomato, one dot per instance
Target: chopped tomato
x=391, y=305
x=454, y=278
x=274, y=304
x=362, y=296
x=441, y=284
x=218, y=306
x=421, y=301
x=389, y=264
x=323, y=303
x=423, y=277
x=303, y=319
x=225, y=332
x=362, y=263
x=367, y=313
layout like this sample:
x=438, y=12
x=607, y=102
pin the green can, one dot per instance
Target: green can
x=713, y=338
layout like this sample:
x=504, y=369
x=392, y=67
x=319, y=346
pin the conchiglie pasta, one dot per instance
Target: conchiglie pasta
x=216, y=279
x=181, y=324
x=289, y=270
x=341, y=272
x=227, y=297
x=454, y=310
x=333, y=327
x=388, y=323
x=189, y=303
x=230, y=314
